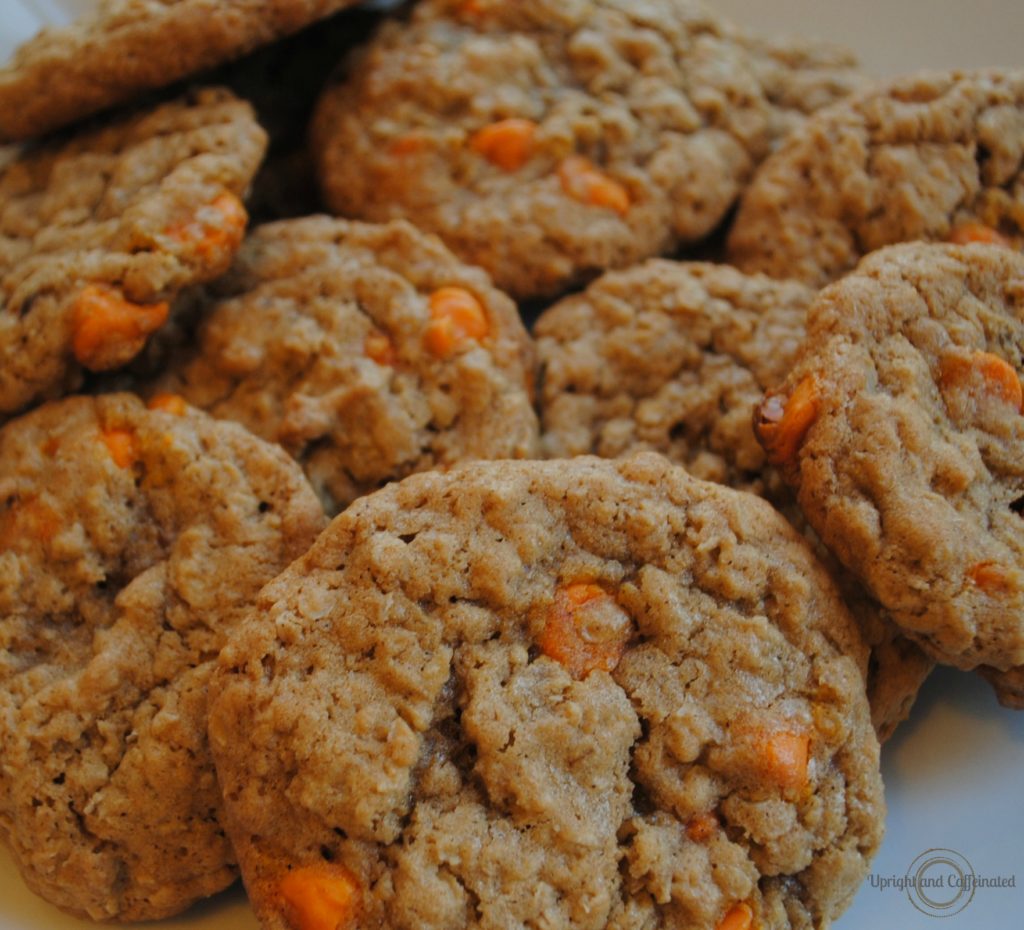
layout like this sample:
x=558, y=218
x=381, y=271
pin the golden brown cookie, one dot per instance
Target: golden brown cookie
x=548, y=141
x=368, y=351
x=934, y=156
x=131, y=541
x=125, y=47
x=100, y=232
x=578, y=693
x=901, y=428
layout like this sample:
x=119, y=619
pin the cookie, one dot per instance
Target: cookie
x=900, y=427
x=547, y=141
x=933, y=156
x=131, y=540
x=125, y=47
x=101, y=231
x=368, y=351
x=670, y=357
x=673, y=357
x=588, y=693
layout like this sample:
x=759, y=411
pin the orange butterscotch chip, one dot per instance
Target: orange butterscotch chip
x=122, y=446
x=409, y=144
x=781, y=425
x=379, y=347
x=507, y=143
x=585, y=629
x=457, y=320
x=990, y=577
x=984, y=371
x=214, y=232
x=28, y=519
x=108, y=330
x=738, y=917
x=319, y=897
x=702, y=827
x=966, y=233
x=584, y=182
x=168, y=403
x=783, y=758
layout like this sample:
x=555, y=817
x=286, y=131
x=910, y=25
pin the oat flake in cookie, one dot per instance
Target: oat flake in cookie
x=547, y=140
x=673, y=357
x=900, y=426
x=368, y=351
x=126, y=47
x=578, y=694
x=100, y=231
x=934, y=156
x=131, y=541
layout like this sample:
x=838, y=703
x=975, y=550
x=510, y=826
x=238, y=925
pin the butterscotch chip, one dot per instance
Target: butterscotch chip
x=368, y=351
x=912, y=470
x=503, y=694
x=919, y=157
x=131, y=541
x=673, y=357
x=547, y=141
x=123, y=48
x=101, y=231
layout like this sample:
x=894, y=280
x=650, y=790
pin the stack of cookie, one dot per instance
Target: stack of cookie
x=612, y=614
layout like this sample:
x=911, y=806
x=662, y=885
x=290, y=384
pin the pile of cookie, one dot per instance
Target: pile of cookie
x=634, y=557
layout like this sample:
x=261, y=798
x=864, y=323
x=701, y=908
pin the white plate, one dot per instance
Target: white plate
x=953, y=772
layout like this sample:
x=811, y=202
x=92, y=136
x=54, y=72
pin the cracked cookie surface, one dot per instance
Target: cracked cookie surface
x=922, y=157
x=673, y=357
x=125, y=47
x=368, y=351
x=589, y=694
x=547, y=141
x=131, y=541
x=100, y=232
x=900, y=426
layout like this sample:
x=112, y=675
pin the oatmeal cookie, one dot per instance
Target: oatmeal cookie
x=547, y=141
x=131, y=541
x=933, y=156
x=126, y=47
x=368, y=351
x=578, y=694
x=673, y=357
x=101, y=231
x=900, y=427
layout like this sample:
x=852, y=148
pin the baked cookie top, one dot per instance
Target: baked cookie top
x=933, y=156
x=547, y=141
x=131, y=541
x=368, y=351
x=126, y=47
x=673, y=357
x=99, y=233
x=901, y=428
x=587, y=693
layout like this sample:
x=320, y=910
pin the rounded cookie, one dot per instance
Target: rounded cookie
x=587, y=693
x=368, y=351
x=900, y=426
x=932, y=156
x=547, y=141
x=672, y=357
x=125, y=47
x=131, y=541
x=99, y=232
